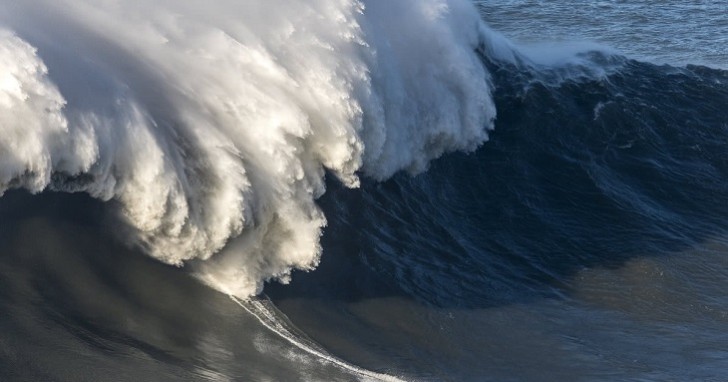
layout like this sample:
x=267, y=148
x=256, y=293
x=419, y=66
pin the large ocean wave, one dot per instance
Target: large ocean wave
x=213, y=125
x=229, y=137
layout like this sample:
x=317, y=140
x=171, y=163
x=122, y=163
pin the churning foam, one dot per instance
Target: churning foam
x=212, y=124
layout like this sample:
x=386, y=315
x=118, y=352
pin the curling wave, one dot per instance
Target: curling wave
x=213, y=125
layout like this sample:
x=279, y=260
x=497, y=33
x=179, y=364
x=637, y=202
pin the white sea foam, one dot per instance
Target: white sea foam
x=213, y=123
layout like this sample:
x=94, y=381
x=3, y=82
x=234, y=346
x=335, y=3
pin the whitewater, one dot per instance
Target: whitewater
x=167, y=166
x=211, y=126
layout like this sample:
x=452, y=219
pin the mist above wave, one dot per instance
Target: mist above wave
x=213, y=124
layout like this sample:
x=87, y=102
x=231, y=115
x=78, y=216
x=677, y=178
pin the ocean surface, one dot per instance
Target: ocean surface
x=343, y=190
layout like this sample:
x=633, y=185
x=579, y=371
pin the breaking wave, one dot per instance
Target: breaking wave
x=213, y=125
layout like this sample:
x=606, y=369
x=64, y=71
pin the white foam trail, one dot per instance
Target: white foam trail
x=212, y=124
x=262, y=311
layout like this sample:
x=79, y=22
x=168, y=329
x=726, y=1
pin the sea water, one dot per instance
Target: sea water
x=412, y=190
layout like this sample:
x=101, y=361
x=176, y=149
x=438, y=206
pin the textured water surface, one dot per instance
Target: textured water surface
x=412, y=190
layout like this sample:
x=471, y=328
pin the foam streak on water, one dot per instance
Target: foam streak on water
x=263, y=311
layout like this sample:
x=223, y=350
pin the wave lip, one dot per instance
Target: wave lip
x=213, y=126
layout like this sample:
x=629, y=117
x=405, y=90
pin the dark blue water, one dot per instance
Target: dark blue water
x=586, y=241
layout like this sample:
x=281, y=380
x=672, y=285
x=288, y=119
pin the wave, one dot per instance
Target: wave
x=586, y=169
x=212, y=127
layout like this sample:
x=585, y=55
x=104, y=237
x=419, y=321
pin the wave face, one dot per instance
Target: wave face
x=213, y=126
x=588, y=236
x=592, y=164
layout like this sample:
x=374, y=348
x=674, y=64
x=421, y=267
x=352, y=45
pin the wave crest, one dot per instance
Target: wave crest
x=213, y=125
